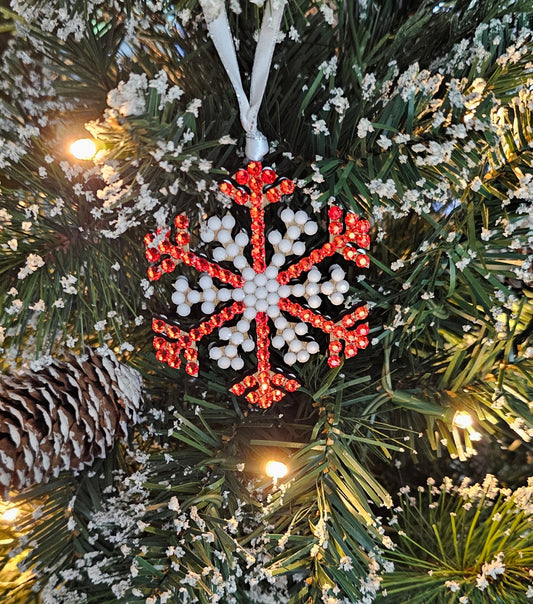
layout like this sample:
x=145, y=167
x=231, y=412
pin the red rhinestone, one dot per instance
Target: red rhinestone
x=160, y=343
x=318, y=321
x=260, y=266
x=252, y=397
x=286, y=186
x=361, y=313
x=328, y=249
x=306, y=315
x=362, y=261
x=161, y=355
x=305, y=264
x=242, y=177
x=278, y=379
x=255, y=184
x=202, y=264
x=152, y=254
x=351, y=219
x=227, y=188
x=339, y=331
x=154, y=273
x=192, y=368
x=334, y=360
x=334, y=213
x=148, y=239
x=216, y=321
x=173, y=332
x=158, y=325
x=362, y=330
x=335, y=347
x=174, y=348
x=291, y=385
x=363, y=226
x=176, y=253
x=238, y=307
x=316, y=256
x=181, y=221
x=350, y=350
x=339, y=241
x=283, y=278
x=188, y=258
x=349, y=253
x=174, y=362
x=273, y=195
x=268, y=176
x=165, y=246
x=191, y=354
x=362, y=342
x=255, y=199
x=183, y=238
x=194, y=335
x=335, y=228
x=348, y=321
x=168, y=265
x=277, y=395
x=293, y=271
x=363, y=240
x=240, y=197
x=283, y=304
x=249, y=381
x=254, y=168
x=238, y=389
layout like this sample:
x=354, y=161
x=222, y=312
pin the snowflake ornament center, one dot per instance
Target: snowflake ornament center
x=258, y=295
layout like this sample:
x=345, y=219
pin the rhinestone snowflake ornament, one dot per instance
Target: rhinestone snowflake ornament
x=254, y=291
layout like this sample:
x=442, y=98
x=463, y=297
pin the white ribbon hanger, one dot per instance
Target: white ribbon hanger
x=218, y=26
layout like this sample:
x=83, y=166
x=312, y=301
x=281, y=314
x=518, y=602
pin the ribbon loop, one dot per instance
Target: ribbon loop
x=219, y=30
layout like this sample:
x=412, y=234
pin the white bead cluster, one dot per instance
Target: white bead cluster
x=287, y=333
x=227, y=356
x=296, y=223
x=231, y=248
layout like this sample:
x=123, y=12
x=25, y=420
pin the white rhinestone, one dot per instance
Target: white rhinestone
x=293, y=232
x=228, y=222
x=284, y=291
x=302, y=356
x=314, y=275
x=219, y=254
x=240, y=262
x=210, y=295
x=287, y=215
x=272, y=298
x=183, y=310
x=205, y=282
x=285, y=246
x=243, y=326
x=300, y=217
x=312, y=289
x=261, y=305
x=260, y=279
x=261, y=293
x=194, y=296
x=295, y=345
x=298, y=248
x=301, y=329
x=238, y=294
x=242, y=239
x=224, y=333
x=231, y=351
x=278, y=342
x=298, y=290
x=224, y=363
x=208, y=308
x=248, y=345
x=327, y=288
x=281, y=323
x=237, y=338
x=343, y=286
x=181, y=284
x=215, y=353
x=232, y=250
x=290, y=358
x=224, y=237
x=178, y=298
x=249, y=287
x=224, y=294
x=310, y=228
x=271, y=272
x=274, y=237
x=313, y=347
x=249, y=300
x=248, y=274
x=237, y=364
x=336, y=298
x=214, y=223
x=278, y=259
x=314, y=301
x=273, y=311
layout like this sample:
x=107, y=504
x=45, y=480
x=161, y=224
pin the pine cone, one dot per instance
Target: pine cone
x=63, y=416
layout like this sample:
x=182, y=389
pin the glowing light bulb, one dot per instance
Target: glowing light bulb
x=83, y=148
x=276, y=469
x=10, y=514
x=463, y=420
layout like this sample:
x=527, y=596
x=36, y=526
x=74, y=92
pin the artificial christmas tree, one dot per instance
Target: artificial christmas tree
x=414, y=116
